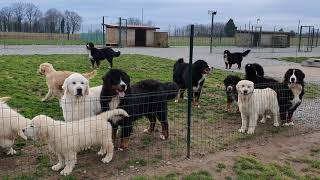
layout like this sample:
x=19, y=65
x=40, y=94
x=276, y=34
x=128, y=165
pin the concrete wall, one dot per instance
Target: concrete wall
x=243, y=39
x=161, y=39
x=267, y=40
x=112, y=36
x=131, y=37
x=150, y=38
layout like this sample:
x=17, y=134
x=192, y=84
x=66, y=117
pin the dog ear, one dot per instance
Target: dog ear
x=301, y=73
x=65, y=85
x=22, y=135
x=287, y=75
x=87, y=88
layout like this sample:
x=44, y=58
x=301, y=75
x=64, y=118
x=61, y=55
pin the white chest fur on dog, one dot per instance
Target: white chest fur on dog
x=197, y=88
x=296, y=90
x=257, y=104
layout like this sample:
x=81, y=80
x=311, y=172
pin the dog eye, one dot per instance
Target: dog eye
x=82, y=82
x=73, y=82
x=31, y=126
x=243, y=85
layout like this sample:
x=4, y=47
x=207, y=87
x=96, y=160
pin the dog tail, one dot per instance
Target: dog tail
x=171, y=89
x=112, y=113
x=244, y=54
x=90, y=75
x=259, y=69
x=4, y=99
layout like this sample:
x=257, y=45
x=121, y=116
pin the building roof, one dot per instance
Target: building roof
x=132, y=26
x=264, y=32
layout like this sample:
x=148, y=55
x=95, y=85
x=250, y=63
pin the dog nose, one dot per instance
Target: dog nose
x=23, y=130
x=292, y=79
x=245, y=92
x=79, y=92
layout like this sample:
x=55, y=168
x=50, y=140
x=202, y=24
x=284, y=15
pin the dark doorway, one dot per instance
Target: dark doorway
x=140, y=37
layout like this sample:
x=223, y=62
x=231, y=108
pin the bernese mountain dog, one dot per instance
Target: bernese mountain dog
x=97, y=55
x=289, y=92
x=255, y=73
x=230, y=83
x=200, y=70
x=234, y=58
x=148, y=98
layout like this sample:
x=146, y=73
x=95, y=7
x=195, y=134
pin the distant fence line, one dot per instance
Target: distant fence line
x=38, y=36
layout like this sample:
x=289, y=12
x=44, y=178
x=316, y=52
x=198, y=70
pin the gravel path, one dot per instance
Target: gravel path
x=273, y=68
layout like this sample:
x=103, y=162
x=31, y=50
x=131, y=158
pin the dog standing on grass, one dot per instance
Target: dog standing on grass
x=96, y=55
x=255, y=103
x=55, y=79
x=65, y=139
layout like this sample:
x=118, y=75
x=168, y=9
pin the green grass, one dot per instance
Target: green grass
x=299, y=59
x=40, y=42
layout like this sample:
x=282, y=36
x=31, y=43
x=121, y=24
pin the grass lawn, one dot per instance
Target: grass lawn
x=295, y=59
x=40, y=42
x=212, y=128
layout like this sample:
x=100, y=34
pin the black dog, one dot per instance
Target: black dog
x=97, y=55
x=146, y=98
x=234, y=58
x=255, y=73
x=289, y=92
x=230, y=83
x=200, y=70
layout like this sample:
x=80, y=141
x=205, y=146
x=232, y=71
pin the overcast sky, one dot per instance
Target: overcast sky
x=279, y=13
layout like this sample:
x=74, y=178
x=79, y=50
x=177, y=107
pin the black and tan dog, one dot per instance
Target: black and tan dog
x=234, y=58
x=148, y=98
x=200, y=70
x=230, y=83
x=97, y=55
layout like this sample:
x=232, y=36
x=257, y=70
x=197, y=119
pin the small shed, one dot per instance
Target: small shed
x=262, y=39
x=135, y=35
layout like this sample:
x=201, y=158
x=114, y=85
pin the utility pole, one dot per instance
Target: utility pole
x=142, y=17
x=212, y=13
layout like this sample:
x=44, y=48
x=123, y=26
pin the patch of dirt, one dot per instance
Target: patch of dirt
x=270, y=149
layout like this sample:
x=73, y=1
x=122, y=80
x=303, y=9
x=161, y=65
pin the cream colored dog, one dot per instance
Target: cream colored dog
x=55, y=79
x=79, y=100
x=255, y=103
x=65, y=139
x=11, y=125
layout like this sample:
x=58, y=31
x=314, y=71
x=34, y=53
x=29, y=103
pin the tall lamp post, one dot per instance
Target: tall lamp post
x=212, y=13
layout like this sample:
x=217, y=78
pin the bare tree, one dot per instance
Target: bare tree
x=134, y=21
x=19, y=13
x=53, y=18
x=32, y=14
x=6, y=13
x=76, y=21
x=67, y=18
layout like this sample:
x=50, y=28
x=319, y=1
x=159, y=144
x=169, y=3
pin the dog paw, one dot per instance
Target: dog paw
x=242, y=130
x=263, y=121
x=11, y=152
x=66, y=171
x=176, y=100
x=146, y=131
x=276, y=124
x=101, y=152
x=87, y=148
x=288, y=124
x=43, y=99
x=250, y=131
x=56, y=167
x=268, y=117
x=107, y=159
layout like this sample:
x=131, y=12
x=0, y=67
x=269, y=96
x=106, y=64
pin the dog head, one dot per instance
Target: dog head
x=76, y=85
x=245, y=87
x=89, y=45
x=294, y=76
x=202, y=67
x=38, y=128
x=116, y=83
x=225, y=53
x=45, y=68
x=230, y=83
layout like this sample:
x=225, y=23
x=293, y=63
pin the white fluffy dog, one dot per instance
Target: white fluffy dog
x=11, y=125
x=255, y=103
x=79, y=100
x=65, y=139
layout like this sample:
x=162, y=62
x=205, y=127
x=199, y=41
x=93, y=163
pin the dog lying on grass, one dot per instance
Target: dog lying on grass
x=11, y=125
x=255, y=103
x=65, y=139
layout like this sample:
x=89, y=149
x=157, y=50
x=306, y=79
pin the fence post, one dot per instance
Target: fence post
x=190, y=90
x=120, y=45
x=103, y=36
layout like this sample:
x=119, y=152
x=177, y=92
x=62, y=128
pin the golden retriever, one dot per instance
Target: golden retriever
x=55, y=79
x=11, y=125
x=79, y=100
x=255, y=103
x=65, y=139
